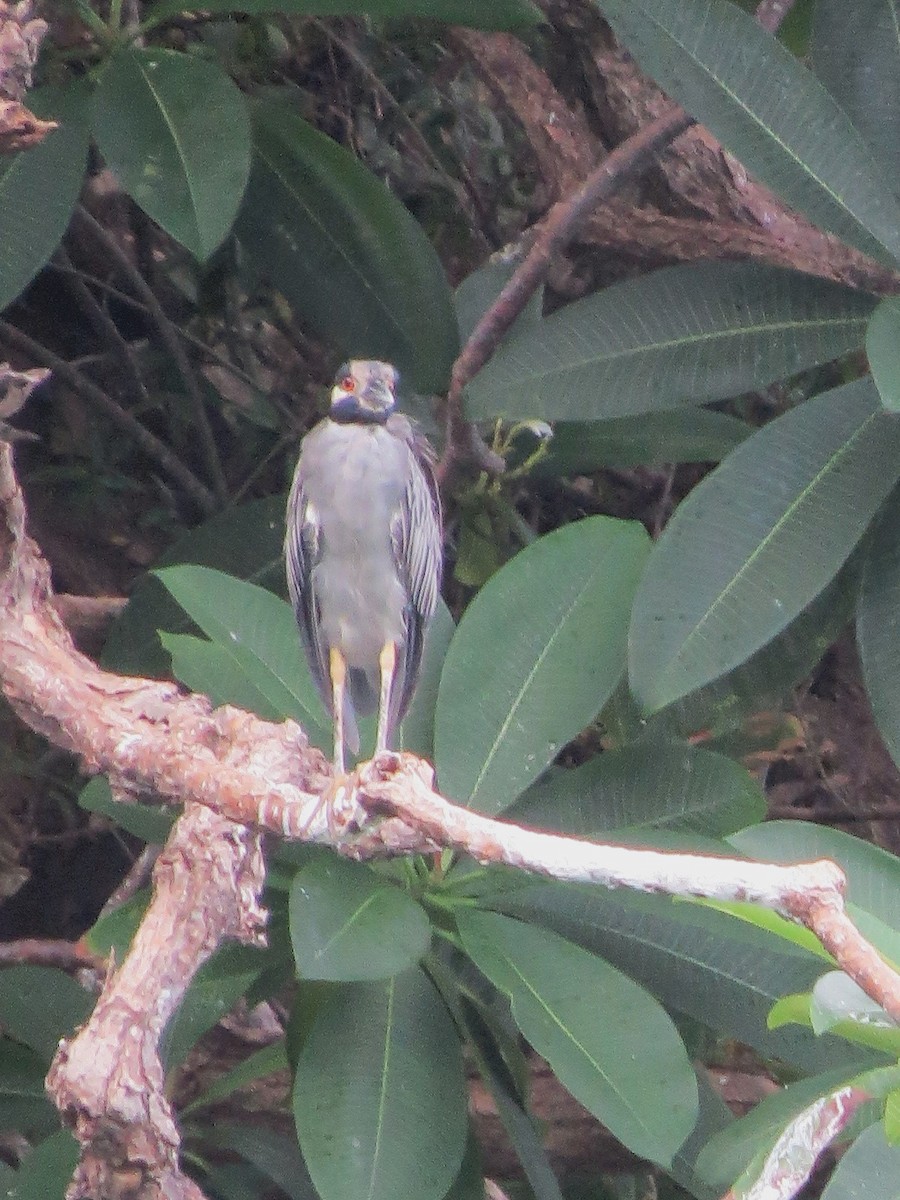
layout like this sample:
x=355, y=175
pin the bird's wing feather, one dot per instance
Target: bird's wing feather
x=302, y=551
x=418, y=552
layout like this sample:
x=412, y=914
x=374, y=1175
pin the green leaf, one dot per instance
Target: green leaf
x=883, y=349
x=680, y=335
x=379, y=1093
x=722, y=972
x=215, y=989
x=258, y=631
x=349, y=924
x=500, y=14
x=344, y=251
x=175, y=131
x=276, y=1155
x=648, y=786
x=756, y=98
x=765, y=918
x=245, y=541
x=870, y=1170
x=839, y=1005
x=731, y=1152
x=24, y=1104
x=767, y=676
x=149, y=822
x=113, y=932
x=47, y=1170
x=628, y=1067
x=205, y=667
x=267, y=1061
x=878, y=622
x=40, y=1005
x=39, y=188
x=521, y=1130
x=855, y=51
x=532, y=663
x=873, y=874
x=759, y=539
x=688, y=435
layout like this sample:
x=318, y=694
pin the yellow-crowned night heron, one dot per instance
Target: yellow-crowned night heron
x=363, y=551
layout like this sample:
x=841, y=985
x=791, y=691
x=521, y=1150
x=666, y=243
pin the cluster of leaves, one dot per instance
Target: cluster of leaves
x=760, y=567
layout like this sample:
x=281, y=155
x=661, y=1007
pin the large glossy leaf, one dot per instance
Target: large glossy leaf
x=878, y=625
x=883, y=349
x=258, y=631
x=647, y=786
x=705, y=964
x=210, y=669
x=870, y=1170
x=536, y=656
x=345, y=251
x=609, y=1042
x=759, y=539
x=379, y=1092
x=765, y=678
x=347, y=923
x=39, y=188
x=855, y=51
x=687, y=435
x=174, y=129
x=680, y=335
x=767, y=109
x=499, y=14
x=245, y=541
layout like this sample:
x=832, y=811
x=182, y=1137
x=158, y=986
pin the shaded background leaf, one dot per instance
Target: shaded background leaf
x=878, y=625
x=500, y=14
x=855, y=51
x=174, y=129
x=344, y=251
x=883, y=350
x=246, y=541
x=764, y=107
x=54, y=171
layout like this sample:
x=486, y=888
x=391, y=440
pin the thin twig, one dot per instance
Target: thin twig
x=556, y=231
x=170, y=340
x=105, y=326
x=143, y=438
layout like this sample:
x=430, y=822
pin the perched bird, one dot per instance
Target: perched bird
x=363, y=551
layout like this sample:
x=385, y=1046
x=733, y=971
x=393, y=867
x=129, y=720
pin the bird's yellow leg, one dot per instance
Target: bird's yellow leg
x=337, y=668
x=387, y=662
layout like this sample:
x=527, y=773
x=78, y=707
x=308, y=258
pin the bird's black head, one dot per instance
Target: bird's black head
x=365, y=391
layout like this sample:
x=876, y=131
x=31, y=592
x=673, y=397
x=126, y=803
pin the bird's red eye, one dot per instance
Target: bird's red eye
x=348, y=384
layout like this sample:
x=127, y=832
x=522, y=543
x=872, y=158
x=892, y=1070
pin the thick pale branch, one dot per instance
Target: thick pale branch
x=238, y=775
